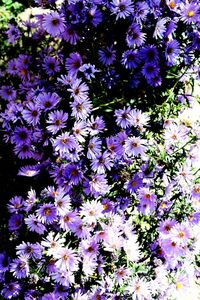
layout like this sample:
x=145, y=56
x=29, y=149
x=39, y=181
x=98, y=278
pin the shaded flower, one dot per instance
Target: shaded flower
x=107, y=55
x=53, y=23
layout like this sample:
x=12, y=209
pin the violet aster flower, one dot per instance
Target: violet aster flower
x=30, y=250
x=122, y=8
x=73, y=173
x=89, y=248
x=31, y=113
x=172, y=52
x=137, y=118
x=79, y=90
x=51, y=65
x=23, y=151
x=88, y=70
x=70, y=34
x=11, y=290
x=15, y=204
x=107, y=55
x=7, y=92
x=47, y=101
x=95, y=16
x=81, y=108
x=160, y=28
x=102, y=162
x=122, y=117
x=180, y=234
x=134, y=146
x=62, y=203
x=141, y=10
x=190, y=12
x=91, y=211
x=4, y=262
x=73, y=63
x=47, y=213
x=149, y=53
x=15, y=222
x=94, y=147
x=13, y=34
x=20, y=267
x=29, y=171
x=34, y=224
x=64, y=143
x=53, y=23
x=150, y=70
x=139, y=288
x=57, y=121
x=95, y=125
x=130, y=59
x=53, y=242
x=134, y=184
x=134, y=36
x=66, y=259
x=80, y=130
x=96, y=186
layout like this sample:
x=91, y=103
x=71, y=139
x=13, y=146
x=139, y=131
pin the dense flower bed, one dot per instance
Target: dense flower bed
x=97, y=105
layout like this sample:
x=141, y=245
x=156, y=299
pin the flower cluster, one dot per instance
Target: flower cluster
x=118, y=215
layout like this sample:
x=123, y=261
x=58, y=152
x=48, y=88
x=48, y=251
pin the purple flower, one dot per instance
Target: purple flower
x=134, y=36
x=15, y=204
x=73, y=173
x=134, y=184
x=107, y=55
x=91, y=211
x=53, y=23
x=57, y=121
x=79, y=90
x=95, y=16
x=88, y=71
x=66, y=259
x=31, y=113
x=47, y=213
x=95, y=125
x=47, y=101
x=15, y=222
x=149, y=54
x=81, y=108
x=73, y=63
x=141, y=11
x=122, y=117
x=13, y=34
x=134, y=146
x=64, y=143
x=160, y=28
x=190, y=12
x=34, y=224
x=20, y=267
x=150, y=70
x=122, y=8
x=4, y=262
x=7, y=92
x=30, y=250
x=70, y=34
x=51, y=65
x=29, y=171
x=130, y=59
x=94, y=147
x=11, y=290
x=102, y=162
x=96, y=186
x=172, y=52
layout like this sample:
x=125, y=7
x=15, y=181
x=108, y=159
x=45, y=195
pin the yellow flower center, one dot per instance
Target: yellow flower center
x=190, y=13
x=179, y=285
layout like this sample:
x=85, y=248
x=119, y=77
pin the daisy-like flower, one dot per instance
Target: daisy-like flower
x=29, y=171
x=31, y=113
x=79, y=90
x=7, y=93
x=160, y=28
x=91, y=211
x=15, y=204
x=80, y=130
x=11, y=290
x=51, y=65
x=64, y=143
x=190, y=12
x=21, y=136
x=73, y=63
x=15, y=222
x=57, y=120
x=130, y=59
x=52, y=243
x=47, y=101
x=88, y=70
x=66, y=259
x=134, y=36
x=141, y=10
x=134, y=146
x=149, y=54
x=34, y=224
x=121, y=274
x=65, y=278
x=81, y=108
x=95, y=125
x=62, y=203
x=94, y=147
x=73, y=174
x=13, y=34
x=150, y=70
x=20, y=267
x=107, y=56
x=47, y=213
x=139, y=288
x=180, y=234
x=137, y=118
x=122, y=117
x=102, y=162
x=96, y=186
x=53, y=23
x=133, y=184
x=172, y=52
x=70, y=35
x=29, y=250
x=122, y=8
